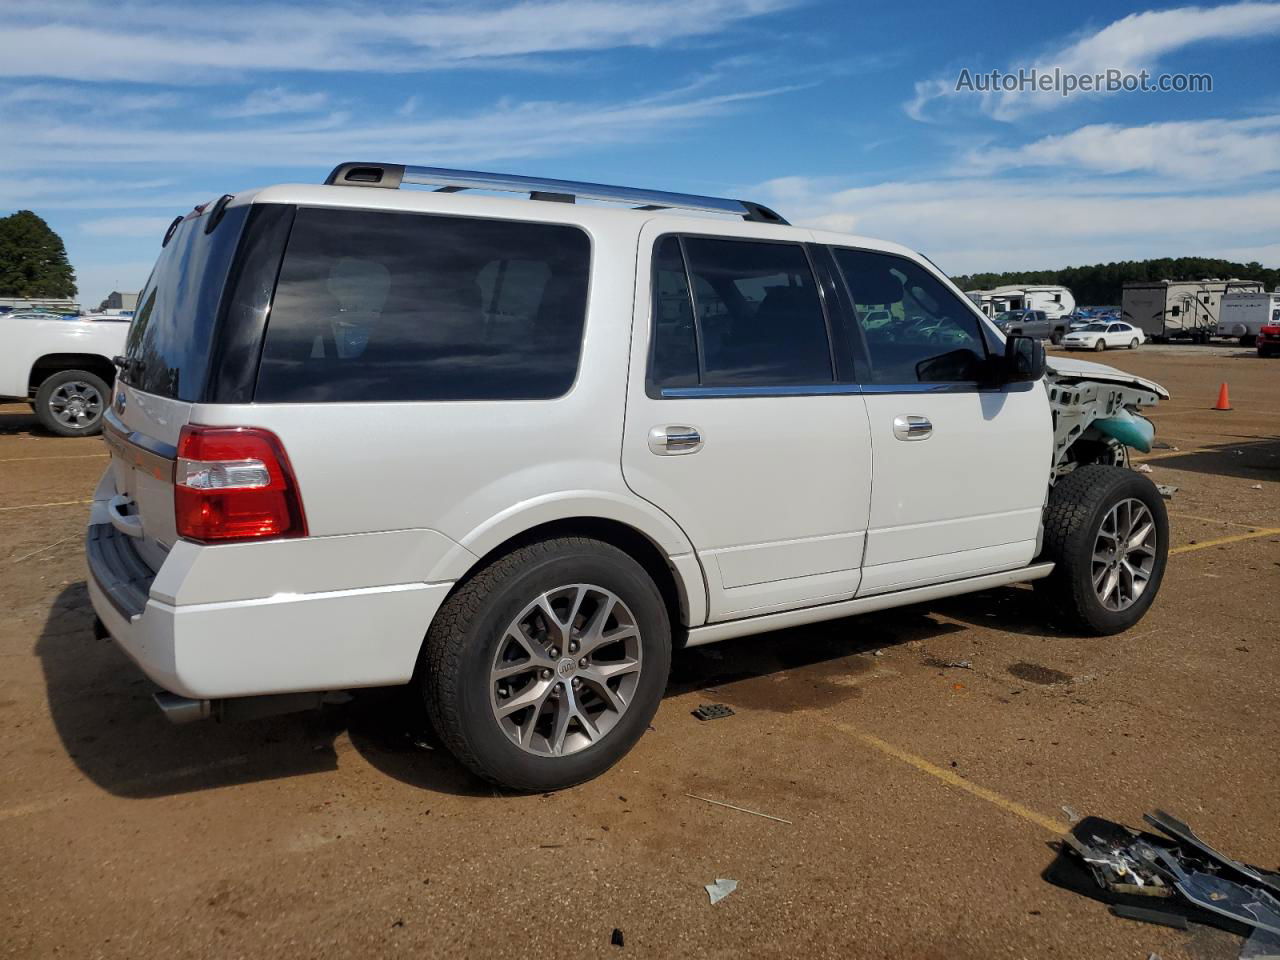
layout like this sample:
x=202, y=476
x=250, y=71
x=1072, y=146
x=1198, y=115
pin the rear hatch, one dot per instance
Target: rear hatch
x=165, y=370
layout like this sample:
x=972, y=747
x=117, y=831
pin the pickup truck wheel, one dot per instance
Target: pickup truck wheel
x=1056, y=337
x=1107, y=532
x=544, y=669
x=70, y=403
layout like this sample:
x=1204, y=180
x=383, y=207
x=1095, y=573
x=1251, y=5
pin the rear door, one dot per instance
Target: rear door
x=961, y=467
x=740, y=422
x=169, y=356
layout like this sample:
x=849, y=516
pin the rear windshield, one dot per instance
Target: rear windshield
x=172, y=333
x=377, y=306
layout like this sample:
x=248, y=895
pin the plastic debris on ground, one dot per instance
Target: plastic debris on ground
x=1143, y=468
x=615, y=939
x=713, y=711
x=721, y=888
x=1166, y=490
x=1171, y=879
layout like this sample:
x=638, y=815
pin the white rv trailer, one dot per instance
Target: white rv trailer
x=1179, y=308
x=1056, y=301
x=1242, y=314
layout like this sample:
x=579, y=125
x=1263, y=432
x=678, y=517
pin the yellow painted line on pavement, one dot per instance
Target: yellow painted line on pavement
x=36, y=506
x=1206, y=544
x=953, y=779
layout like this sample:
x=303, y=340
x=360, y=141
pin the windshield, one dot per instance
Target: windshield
x=172, y=334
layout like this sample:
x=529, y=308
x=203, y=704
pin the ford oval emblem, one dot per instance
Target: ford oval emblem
x=121, y=402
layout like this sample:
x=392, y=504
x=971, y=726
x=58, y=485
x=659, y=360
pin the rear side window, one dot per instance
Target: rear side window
x=373, y=306
x=171, y=339
x=930, y=336
x=756, y=316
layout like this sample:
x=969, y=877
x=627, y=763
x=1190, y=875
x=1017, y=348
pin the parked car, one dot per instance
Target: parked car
x=1268, y=340
x=1100, y=336
x=1033, y=323
x=62, y=368
x=876, y=318
x=514, y=454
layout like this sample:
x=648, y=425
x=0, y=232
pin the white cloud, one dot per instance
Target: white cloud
x=978, y=224
x=190, y=44
x=126, y=226
x=506, y=131
x=273, y=101
x=1190, y=150
x=1132, y=44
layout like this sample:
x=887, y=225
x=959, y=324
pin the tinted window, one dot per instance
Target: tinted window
x=932, y=336
x=674, y=360
x=393, y=306
x=759, y=318
x=172, y=334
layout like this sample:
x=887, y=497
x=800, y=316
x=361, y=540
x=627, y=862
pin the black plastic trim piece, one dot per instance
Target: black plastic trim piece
x=216, y=214
x=246, y=302
x=168, y=234
x=759, y=213
x=386, y=175
x=117, y=569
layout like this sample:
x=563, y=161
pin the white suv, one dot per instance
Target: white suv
x=514, y=452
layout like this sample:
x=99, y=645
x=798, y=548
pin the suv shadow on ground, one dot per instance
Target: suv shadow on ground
x=102, y=709
x=1247, y=457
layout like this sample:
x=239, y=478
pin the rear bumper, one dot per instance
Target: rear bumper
x=286, y=643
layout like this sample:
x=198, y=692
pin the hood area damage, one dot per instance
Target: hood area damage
x=1096, y=415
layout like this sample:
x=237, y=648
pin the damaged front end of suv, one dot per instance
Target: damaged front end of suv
x=1096, y=416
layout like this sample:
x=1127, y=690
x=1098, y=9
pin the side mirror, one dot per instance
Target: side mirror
x=1023, y=360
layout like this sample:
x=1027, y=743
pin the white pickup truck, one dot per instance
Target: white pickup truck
x=63, y=368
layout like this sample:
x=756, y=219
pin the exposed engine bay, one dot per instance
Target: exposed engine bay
x=1096, y=416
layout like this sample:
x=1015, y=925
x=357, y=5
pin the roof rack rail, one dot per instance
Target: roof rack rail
x=391, y=175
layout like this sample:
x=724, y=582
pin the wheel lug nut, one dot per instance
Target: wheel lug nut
x=582, y=664
x=577, y=683
x=555, y=651
x=573, y=646
x=546, y=674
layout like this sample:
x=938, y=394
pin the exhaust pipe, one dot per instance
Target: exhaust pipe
x=179, y=709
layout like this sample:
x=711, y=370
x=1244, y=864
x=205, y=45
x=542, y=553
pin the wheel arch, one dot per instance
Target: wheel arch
x=652, y=538
x=50, y=363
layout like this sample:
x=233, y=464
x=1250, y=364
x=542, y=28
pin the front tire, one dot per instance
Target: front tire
x=1099, y=345
x=545, y=668
x=70, y=403
x=1107, y=532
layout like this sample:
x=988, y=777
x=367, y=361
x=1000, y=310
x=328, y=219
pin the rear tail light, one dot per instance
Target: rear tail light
x=235, y=483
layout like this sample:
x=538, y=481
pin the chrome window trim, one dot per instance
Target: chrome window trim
x=828, y=390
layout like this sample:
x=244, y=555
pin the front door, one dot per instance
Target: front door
x=961, y=467
x=742, y=425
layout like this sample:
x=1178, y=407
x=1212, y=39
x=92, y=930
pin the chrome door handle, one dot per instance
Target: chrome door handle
x=912, y=428
x=672, y=441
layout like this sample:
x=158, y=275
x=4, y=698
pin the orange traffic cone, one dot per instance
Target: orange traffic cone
x=1224, y=400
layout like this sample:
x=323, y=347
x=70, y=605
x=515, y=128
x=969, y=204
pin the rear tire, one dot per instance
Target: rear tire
x=1133, y=344
x=1056, y=337
x=1087, y=513
x=471, y=649
x=70, y=403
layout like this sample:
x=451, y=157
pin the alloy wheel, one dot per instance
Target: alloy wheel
x=76, y=403
x=565, y=670
x=1124, y=554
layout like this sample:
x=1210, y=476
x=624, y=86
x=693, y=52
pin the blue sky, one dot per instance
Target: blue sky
x=115, y=116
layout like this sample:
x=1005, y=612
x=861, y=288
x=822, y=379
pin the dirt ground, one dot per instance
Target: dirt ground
x=921, y=800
